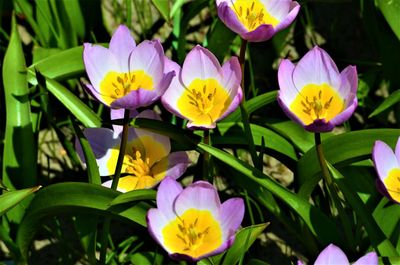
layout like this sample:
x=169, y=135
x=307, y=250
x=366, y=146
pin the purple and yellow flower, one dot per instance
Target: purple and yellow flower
x=387, y=165
x=314, y=93
x=125, y=75
x=332, y=255
x=147, y=158
x=202, y=91
x=257, y=20
x=191, y=223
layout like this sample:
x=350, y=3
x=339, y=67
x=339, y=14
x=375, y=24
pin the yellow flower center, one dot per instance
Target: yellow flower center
x=252, y=14
x=317, y=102
x=141, y=163
x=204, y=101
x=392, y=184
x=194, y=233
x=117, y=85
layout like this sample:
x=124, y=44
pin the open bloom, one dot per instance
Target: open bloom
x=257, y=20
x=192, y=223
x=202, y=91
x=125, y=75
x=314, y=93
x=147, y=157
x=387, y=165
x=332, y=255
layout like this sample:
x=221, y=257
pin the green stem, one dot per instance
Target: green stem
x=114, y=185
x=206, y=156
x=244, y=113
x=333, y=191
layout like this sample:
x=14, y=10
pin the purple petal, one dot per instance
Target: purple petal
x=332, y=255
x=93, y=92
x=156, y=221
x=167, y=193
x=117, y=114
x=287, y=91
x=200, y=63
x=299, y=262
x=279, y=9
x=136, y=99
x=369, y=259
x=234, y=104
x=287, y=111
x=177, y=164
x=349, y=83
x=346, y=114
x=316, y=67
x=231, y=75
x=320, y=125
x=190, y=125
x=262, y=33
x=101, y=140
x=397, y=151
x=384, y=159
x=121, y=45
x=200, y=195
x=98, y=62
x=294, y=10
x=149, y=57
x=232, y=212
x=229, y=17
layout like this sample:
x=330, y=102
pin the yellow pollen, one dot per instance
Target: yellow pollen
x=143, y=163
x=317, y=102
x=252, y=14
x=392, y=184
x=194, y=233
x=204, y=101
x=117, y=85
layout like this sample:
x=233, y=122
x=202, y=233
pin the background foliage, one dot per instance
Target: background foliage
x=43, y=107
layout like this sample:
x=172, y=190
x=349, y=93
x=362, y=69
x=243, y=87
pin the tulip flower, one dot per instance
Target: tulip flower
x=125, y=75
x=387, y=165
x=257, y=20
x=191, y=223
x=202, y=91
x=332, y=255
x=147, y=157
x=314, y=93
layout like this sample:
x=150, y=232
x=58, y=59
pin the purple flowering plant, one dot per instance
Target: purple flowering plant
x=199, y=132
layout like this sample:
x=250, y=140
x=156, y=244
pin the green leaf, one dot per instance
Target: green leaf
x=253, y=104
x=11, y=198
x=75, y=17
x=90, y=159
x=19, y=160
x=71, y=66
x=244, y=239
x=162, y=7
x=387, y=103
x=79, y=109
x=340, y=150
x=73, y=198
x=232, y=134
x=147, y=258
x=375, y=234
x=318, y=223
x=135, y=195
x=391, y=10
x=219, y=39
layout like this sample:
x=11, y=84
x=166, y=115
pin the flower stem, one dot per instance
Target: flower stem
x=114, y=185
x=333, y=191
x=206, y=156
x=244, y=113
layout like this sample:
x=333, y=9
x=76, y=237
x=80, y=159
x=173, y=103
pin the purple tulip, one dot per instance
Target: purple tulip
x=125, y=75
x=314, y=93
x=191, y=223
x=257, y=20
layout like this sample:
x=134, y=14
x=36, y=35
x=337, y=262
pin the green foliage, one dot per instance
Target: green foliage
x=256, y=152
